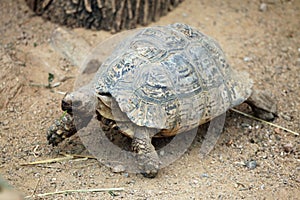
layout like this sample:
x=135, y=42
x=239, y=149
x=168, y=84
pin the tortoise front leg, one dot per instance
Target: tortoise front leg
x=61, y=129
x=146, y=154
x=263, y=105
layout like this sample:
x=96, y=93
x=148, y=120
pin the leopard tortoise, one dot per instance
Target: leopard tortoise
x=161, y=81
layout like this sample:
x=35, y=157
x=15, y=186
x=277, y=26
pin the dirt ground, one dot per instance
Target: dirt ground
x=261, y=37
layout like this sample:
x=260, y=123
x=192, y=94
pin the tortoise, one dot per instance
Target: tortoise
x=160, y=81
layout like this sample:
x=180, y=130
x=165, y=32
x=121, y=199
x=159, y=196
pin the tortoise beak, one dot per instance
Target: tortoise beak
x=69, y=103
x=66, y=103
x=66, y=106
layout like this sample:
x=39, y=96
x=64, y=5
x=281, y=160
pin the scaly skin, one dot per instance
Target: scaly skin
x=61, y=129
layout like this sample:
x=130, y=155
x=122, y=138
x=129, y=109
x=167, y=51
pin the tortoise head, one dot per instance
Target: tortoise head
x=80, y=102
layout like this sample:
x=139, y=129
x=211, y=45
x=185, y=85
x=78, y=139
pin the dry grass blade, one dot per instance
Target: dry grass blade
x=78, y=156
x=76, y=191
x=66, y=157
x=263, y=121
x=69, y=157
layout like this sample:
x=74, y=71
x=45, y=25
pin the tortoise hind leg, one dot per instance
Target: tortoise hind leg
x=263, y=105
x=146, y=155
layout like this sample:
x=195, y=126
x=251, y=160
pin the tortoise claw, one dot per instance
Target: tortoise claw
x=147, y=157
x=61, y=129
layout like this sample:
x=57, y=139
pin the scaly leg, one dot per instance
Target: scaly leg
x=263, y=105
x=61, y=129
x=146, y=154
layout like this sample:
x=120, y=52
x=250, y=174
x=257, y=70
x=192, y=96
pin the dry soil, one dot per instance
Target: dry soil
x=261, y=37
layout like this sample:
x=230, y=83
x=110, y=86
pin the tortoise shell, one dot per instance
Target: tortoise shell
x=172, y=78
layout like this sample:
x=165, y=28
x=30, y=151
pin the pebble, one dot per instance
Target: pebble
x=284, y=49
x=162, y=153
x=245, y=125
x=277, y=130
x=263, y=7
x=247, y=59
x=288, y=148
x=118, y=169
x=251, y=164
x=204, y=175
x=5, y=122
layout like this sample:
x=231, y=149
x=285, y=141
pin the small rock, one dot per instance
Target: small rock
x=118, y=169
x=284, y=49
x=265, y=156
x=277, y=130
x=247, y=59
x=162, y=153
x=263, y=7
x=288, y=148
x=5, y=122
x=251, y=164
x=245, y=125
x=204, y=175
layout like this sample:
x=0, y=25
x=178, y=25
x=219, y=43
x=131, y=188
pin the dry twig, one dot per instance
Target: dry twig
x=76, y=191
x=65, y=158
x=265, y=122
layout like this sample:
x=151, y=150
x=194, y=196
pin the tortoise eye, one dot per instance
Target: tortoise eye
x=76, y=103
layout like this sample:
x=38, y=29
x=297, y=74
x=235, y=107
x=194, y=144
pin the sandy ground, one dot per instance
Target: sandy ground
x=265, y=42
